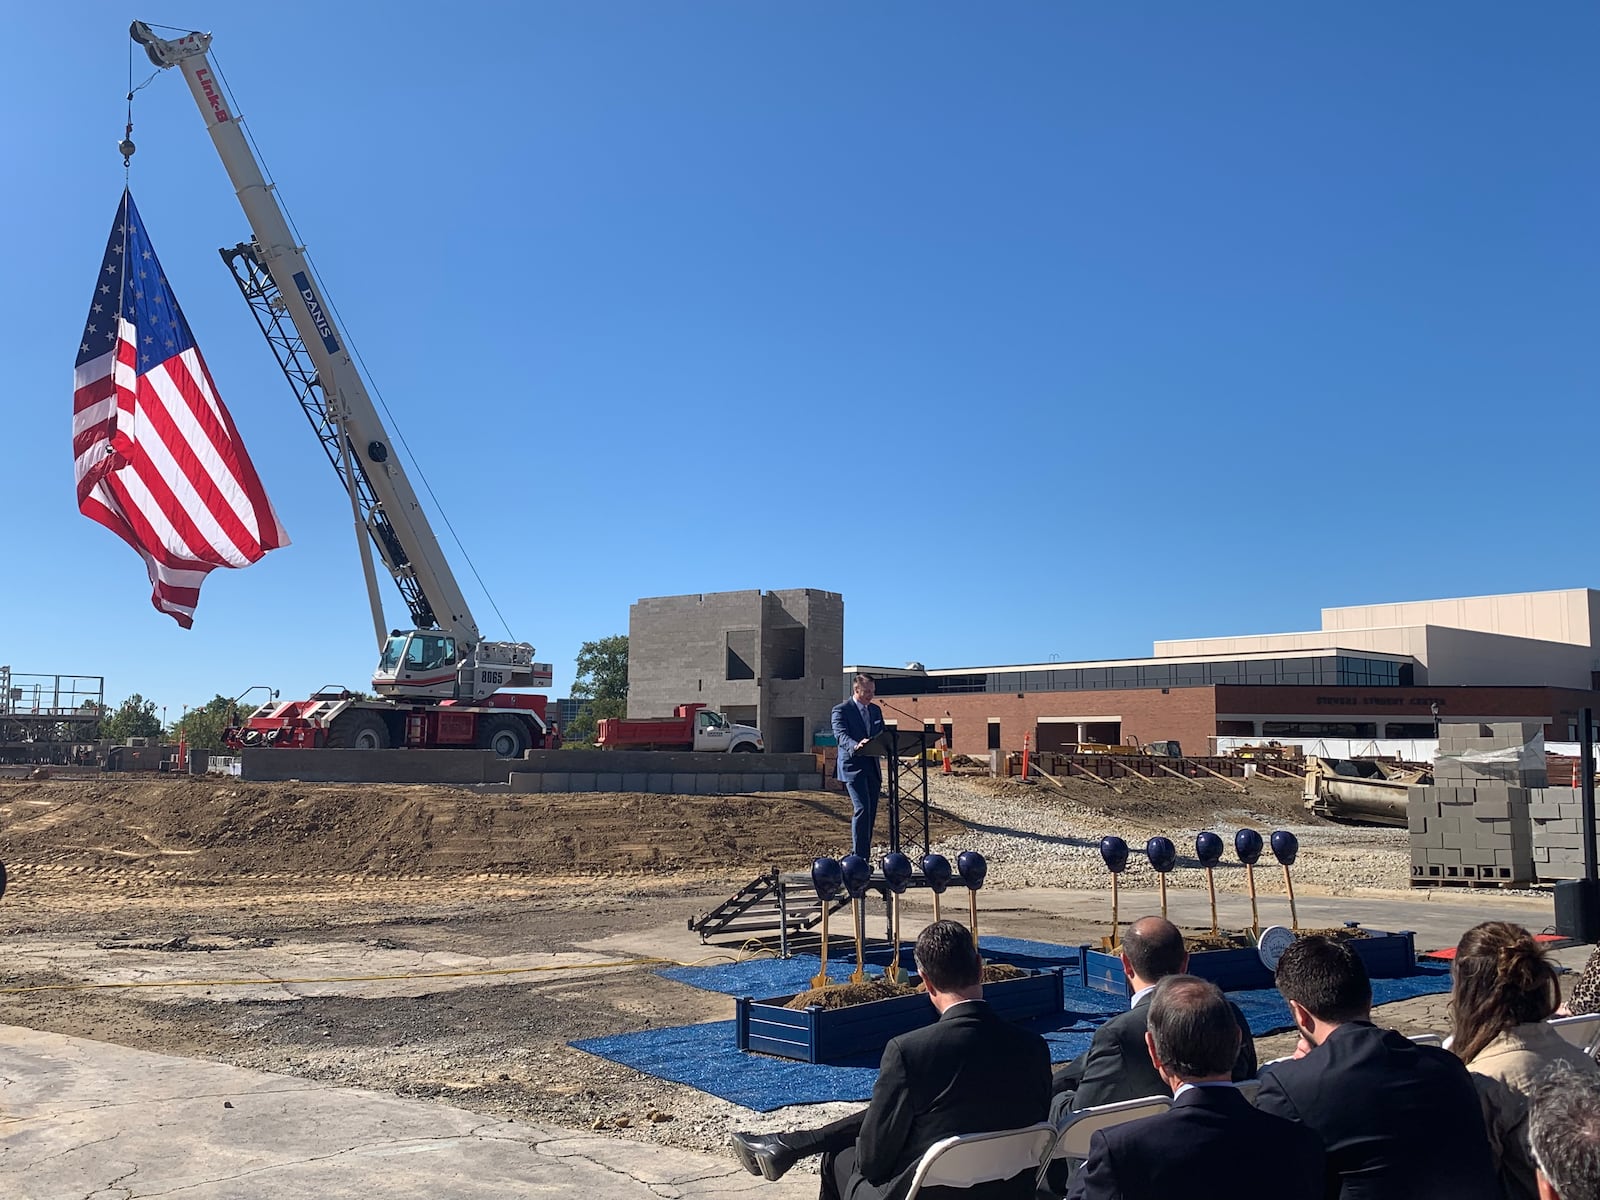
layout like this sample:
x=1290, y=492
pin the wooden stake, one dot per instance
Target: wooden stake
x=1250, y=878
x=822, y=980
x=1211, y=882
x=1294, y=918
x=972, y=899
x=936, y=906
x=1162, y=875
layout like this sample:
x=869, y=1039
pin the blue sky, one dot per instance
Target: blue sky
x=1034, y=328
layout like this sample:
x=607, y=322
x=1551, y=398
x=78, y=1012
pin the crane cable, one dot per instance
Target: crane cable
x=394, y=425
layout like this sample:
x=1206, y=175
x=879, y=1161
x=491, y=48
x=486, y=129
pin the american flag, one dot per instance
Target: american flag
x=158, y=460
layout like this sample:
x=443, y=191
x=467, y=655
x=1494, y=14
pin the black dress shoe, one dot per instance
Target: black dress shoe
x=764, y=1154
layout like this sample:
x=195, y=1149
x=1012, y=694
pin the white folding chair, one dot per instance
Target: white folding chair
x=1427, y=1039
x=1076, y=1128
x=974, y=1158
x=1581, y=1031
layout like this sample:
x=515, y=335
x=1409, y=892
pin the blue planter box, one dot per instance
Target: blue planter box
x=1385, y=955
x=818, y=1035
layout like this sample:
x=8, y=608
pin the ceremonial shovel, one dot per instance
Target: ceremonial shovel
x=1208, y=849
x=1115, y=852
x=936, y=870
x=827, y=876
x=1285, y=846
x=972, y=868
x=1247, y=845
x=857, y=873
x=1163, y=856
x=897, y=874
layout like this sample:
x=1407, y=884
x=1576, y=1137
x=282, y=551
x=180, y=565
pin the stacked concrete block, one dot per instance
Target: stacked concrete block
x=1557, y=817
x=1473, y=824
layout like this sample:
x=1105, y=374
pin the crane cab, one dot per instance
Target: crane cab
x=418, y=664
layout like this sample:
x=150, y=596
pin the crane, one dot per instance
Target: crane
x=441, y=679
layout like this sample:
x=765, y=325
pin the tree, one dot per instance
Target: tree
x=93, y=708
x=134, y=717
x=602, y=679
x=205, y=725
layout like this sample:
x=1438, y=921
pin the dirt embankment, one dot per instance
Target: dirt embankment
x=205, y=827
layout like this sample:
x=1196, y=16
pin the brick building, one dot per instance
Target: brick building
x=1376, y=671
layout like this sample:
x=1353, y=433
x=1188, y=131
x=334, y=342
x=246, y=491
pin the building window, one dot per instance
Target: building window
x=741, y=654
x=1408, y=729
x=788, y=653
x=1337, y=729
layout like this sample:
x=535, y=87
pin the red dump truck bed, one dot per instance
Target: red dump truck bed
x=646, y=732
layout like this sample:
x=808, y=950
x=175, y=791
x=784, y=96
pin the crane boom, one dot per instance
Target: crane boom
x=345, y=417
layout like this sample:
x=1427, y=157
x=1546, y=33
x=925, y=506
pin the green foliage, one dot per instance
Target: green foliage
x=205, y=725
x=100, y=711
x=602, y=679
x=603, y=670
x=134, y=717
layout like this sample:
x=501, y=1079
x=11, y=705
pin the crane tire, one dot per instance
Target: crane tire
x=508, y=737
x=359, y=730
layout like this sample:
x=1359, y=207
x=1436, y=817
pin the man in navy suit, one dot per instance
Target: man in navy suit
x=1211, y=1143
x=1399, y=1121
x=854, y=721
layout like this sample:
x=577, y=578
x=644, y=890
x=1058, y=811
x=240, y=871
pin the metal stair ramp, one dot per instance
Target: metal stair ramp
x=780, y=902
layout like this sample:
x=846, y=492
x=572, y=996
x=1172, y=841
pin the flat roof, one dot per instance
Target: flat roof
x=1148, y=661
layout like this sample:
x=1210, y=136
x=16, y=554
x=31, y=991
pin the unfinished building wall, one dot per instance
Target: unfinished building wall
x=769, y=659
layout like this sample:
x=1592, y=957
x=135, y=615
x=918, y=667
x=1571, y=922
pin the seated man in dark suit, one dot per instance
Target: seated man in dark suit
x=1399, y=1121
x=1116, y=1065
x=968, y=1072
x=1564, y=1129
x=1211, y=1144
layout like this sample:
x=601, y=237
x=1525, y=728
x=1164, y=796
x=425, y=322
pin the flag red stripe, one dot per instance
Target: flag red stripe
x=158, y=459
x=201, y=475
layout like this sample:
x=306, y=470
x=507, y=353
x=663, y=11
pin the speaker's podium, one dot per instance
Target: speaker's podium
x=907, y=785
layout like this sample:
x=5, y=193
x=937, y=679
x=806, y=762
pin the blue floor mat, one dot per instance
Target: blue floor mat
x=706, y=1057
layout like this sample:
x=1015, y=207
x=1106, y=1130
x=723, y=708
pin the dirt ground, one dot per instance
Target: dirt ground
x=156, y=869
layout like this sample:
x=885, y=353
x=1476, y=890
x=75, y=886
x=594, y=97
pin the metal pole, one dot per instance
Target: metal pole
x=1586, y=753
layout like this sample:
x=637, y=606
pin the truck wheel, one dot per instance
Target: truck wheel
x=506, y=736
x=745, y=748
x=359, y=730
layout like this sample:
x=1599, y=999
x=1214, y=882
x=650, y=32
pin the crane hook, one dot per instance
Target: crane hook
x=126, y=147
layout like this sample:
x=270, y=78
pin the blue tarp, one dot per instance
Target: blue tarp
x=706, y=1057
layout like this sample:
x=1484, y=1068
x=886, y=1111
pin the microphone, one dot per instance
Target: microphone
x=902, y=712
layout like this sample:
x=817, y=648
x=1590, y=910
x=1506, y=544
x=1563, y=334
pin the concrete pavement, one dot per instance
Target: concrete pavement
x=85, y=1119
x=89, y=1119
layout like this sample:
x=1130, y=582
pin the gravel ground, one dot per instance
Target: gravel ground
x=1048, y=836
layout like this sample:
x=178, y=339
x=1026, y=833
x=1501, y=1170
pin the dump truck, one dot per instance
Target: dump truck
x=691, y=727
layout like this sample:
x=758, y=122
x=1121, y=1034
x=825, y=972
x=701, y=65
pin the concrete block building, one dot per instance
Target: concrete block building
x=771, y=659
